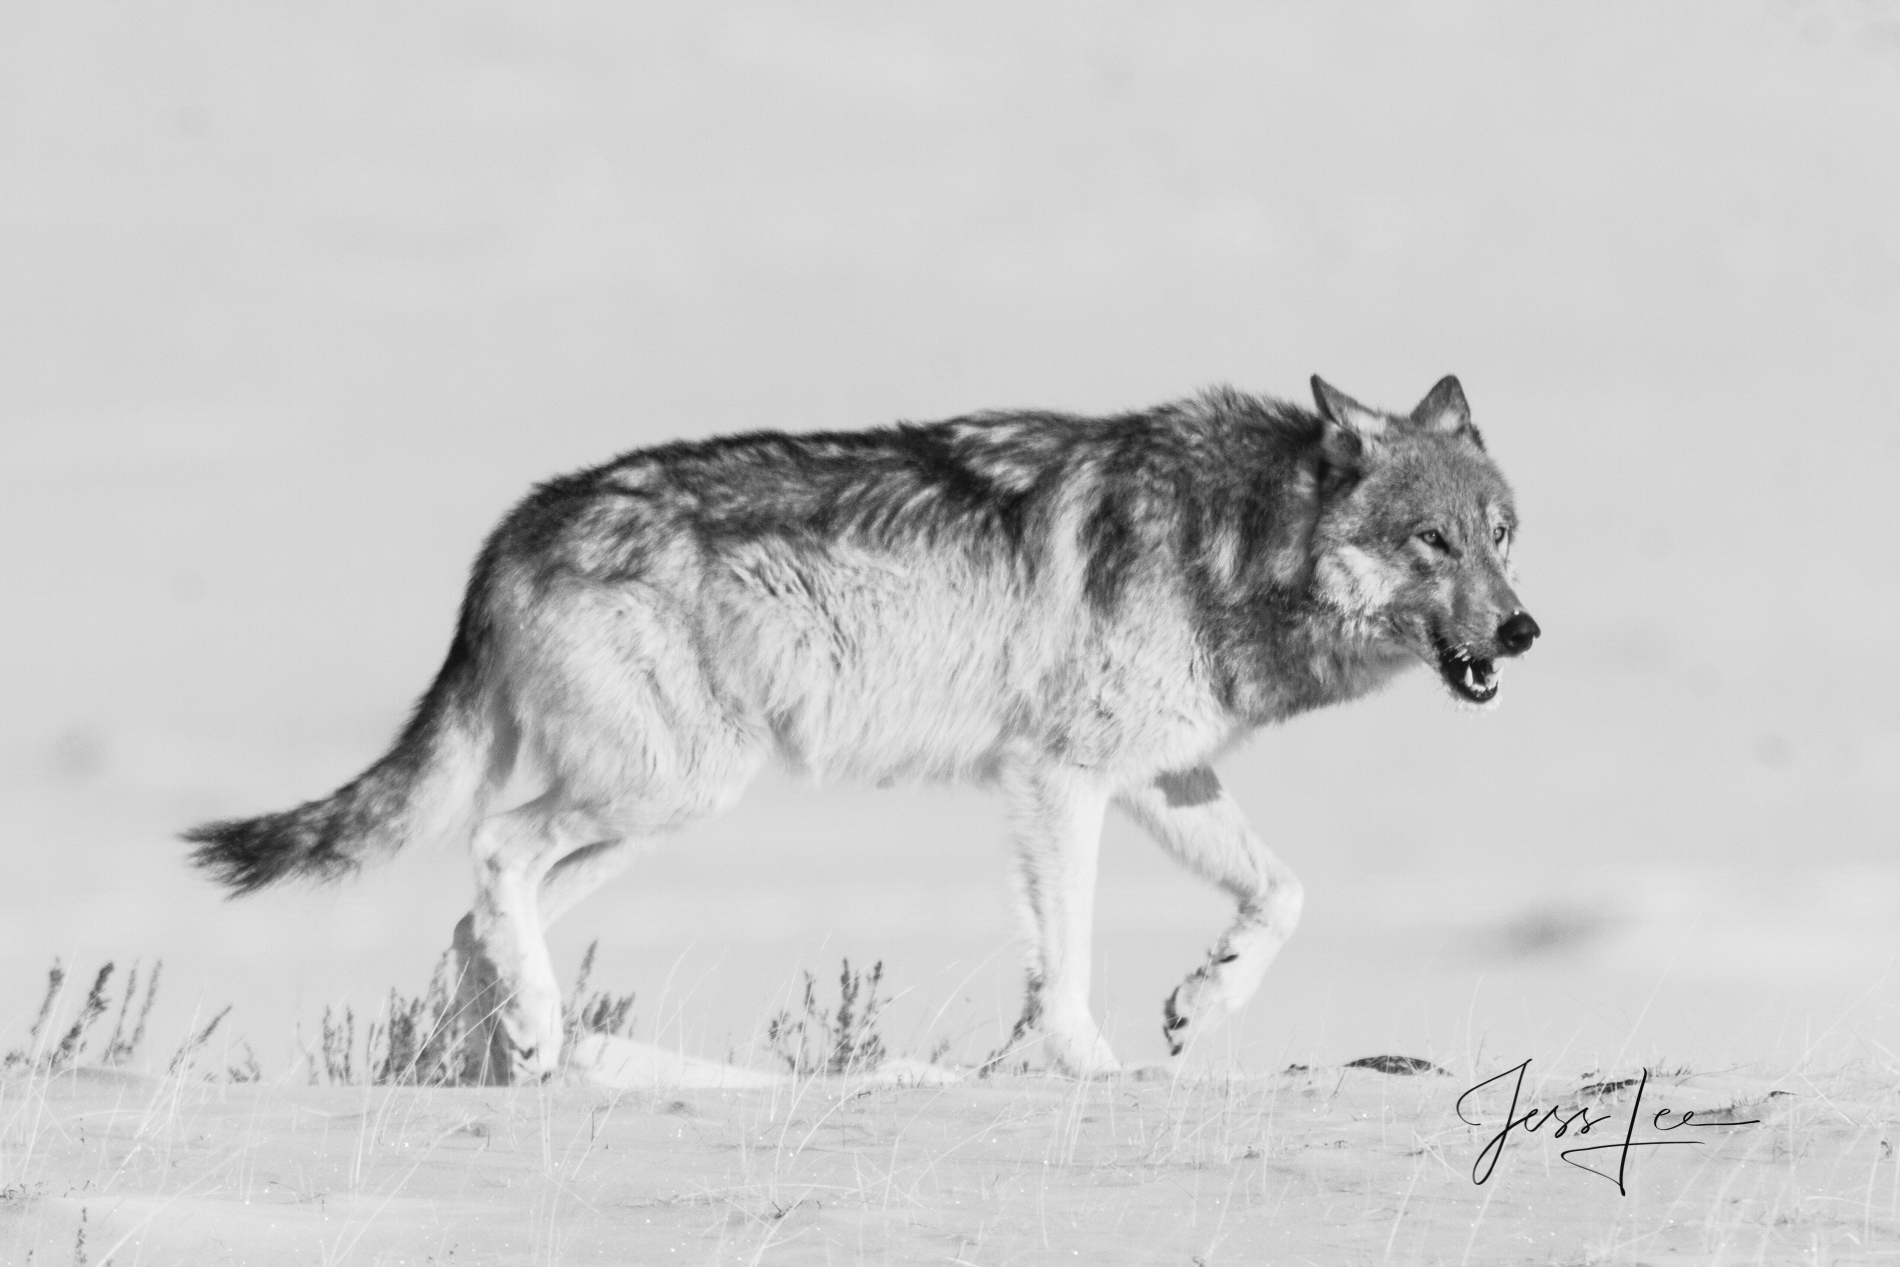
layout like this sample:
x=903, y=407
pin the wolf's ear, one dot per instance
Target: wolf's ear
x=1342, y=410
x=1444, y=411
x=1351, y=430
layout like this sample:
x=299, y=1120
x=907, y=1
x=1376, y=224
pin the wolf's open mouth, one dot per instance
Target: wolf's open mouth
x=1469, y=677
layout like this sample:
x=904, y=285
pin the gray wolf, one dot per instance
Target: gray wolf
x=1081, y=612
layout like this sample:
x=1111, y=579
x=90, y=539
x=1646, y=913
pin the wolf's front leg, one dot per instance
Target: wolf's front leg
x=1057, y=833
x=1194, y=819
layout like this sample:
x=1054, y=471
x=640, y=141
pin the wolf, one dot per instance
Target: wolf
x=1078, y=611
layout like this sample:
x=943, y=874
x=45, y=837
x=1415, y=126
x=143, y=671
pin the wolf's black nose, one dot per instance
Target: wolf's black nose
x=1516, y=634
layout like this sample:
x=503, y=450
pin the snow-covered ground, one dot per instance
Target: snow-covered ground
x=1324, y=1165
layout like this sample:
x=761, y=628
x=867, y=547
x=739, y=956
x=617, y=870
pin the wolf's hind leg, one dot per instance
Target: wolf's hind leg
x=635, y=743
x=506, y=988
x=1194, y=819
x=1057, y=831
x=480, y=997
x=574, y=877
x=485, y=1058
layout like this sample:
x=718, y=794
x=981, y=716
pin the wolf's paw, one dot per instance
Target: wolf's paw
x=1195, y=1009
x=1173, y=1024
x=1080, y=1051
x=532, y=1023
x=533, y=1066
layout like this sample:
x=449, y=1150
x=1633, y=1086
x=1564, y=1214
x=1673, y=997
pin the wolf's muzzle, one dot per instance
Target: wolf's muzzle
x=1516, y=634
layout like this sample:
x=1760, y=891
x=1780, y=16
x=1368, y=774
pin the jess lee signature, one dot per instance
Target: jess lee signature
x=1579, y=1122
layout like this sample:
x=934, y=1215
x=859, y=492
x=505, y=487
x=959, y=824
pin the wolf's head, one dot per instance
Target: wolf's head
x=1414, y=537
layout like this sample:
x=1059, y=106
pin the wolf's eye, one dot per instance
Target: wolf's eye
x=1498, y=534
x=1433, y=538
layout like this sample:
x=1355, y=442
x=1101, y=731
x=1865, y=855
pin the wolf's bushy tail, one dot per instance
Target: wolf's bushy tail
x=433, y=778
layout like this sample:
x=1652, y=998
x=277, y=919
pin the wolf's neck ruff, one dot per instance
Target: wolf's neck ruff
x=1069, y=608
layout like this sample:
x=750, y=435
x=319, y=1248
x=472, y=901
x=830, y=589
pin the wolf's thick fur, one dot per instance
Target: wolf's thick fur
x=1082, y=611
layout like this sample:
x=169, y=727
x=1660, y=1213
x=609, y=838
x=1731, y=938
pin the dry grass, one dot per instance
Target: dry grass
x=818, y=1040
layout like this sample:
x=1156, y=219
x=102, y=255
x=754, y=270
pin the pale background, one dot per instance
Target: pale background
x=294, y=304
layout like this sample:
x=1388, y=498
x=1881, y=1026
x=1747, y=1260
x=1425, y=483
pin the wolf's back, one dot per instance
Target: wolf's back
x=429, y=781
